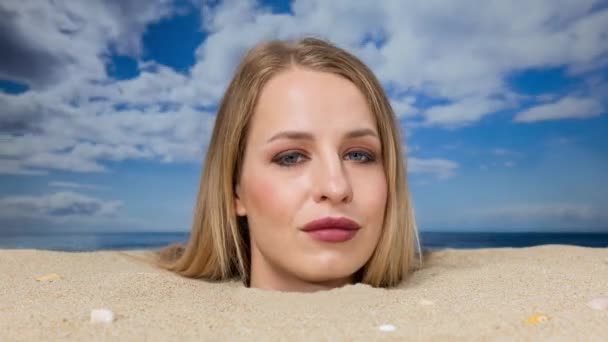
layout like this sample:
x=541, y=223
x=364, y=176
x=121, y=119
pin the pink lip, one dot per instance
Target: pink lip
x=332, y=229
x=331, y=223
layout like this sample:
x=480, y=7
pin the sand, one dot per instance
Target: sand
x=476, y=294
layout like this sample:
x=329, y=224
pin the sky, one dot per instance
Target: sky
x=106, y=107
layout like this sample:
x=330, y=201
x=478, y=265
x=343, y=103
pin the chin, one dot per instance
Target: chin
x=328, y=273
x=322, y=280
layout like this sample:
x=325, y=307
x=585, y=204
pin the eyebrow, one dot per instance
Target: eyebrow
x=299, y=135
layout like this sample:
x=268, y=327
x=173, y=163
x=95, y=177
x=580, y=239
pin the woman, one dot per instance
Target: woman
x=304, y=185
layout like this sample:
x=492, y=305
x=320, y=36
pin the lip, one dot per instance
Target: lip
x=331, y=223
x=331, y=229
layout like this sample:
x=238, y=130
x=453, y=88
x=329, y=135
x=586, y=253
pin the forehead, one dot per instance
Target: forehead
x=309, y=100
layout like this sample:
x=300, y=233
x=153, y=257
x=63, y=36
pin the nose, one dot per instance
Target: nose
x=331, y=181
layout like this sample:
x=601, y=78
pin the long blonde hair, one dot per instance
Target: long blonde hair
x=218, y=247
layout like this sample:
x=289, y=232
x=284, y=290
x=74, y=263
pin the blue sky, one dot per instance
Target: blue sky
x=106, y=109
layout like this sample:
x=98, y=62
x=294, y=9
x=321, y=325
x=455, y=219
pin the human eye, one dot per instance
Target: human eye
x=367, y=157
x=290, y=159
x=283, y=159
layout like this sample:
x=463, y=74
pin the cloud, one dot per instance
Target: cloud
x=461, y=52
x=16, y=167
x=524, y=217
x=566, y=108
x=22, y=59
x=68, y=139
x=75, y=185
x=20, y=116
x=562, y=214
x=75, y=116
x=59, y=206
x=50, y=41
x=404, y=107
x=75, y=125
x=63, y=162
x=464, y=112
x=441, y=168
x=69, y=211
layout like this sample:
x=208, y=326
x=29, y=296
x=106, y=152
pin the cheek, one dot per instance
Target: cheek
x=374, y=190
x=267, y=197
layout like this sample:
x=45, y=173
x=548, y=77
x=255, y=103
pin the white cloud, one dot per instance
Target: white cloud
x=524, y=217
x=16, y=167
x=566, y=108
x=74, y=37
x=80, y=138
x=63, y=162
x=460, y=51
x=566, y=213
x=60, y=127
x=74, y=185
x=70, y=211
x=58, y=207
x=466, y=111
x=404, y=107
x=441, y=168
x=457, y=51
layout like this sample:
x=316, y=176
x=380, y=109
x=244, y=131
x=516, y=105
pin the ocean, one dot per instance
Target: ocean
x=76, y=242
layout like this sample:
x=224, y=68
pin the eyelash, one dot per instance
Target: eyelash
x=370, y=158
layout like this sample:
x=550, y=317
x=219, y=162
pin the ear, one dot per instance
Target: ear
x=238, y=203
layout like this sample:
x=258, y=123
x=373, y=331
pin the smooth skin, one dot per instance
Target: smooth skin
x=287, y=182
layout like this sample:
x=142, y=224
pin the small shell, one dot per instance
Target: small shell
x=537, y=318
x=49, y=277
x=102, y=316
x=387, y=327
x=599, y=303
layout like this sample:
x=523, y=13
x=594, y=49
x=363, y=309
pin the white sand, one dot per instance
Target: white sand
x=483, y=294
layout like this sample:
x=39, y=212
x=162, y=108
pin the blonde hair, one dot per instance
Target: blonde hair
x=218, y=247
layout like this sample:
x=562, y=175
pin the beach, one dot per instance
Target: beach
x=494, y=294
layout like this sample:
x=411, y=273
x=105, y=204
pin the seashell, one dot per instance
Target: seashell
x=387, y=327
x=49, y=277
x=537, y=318
x=599, y=303
x=102, y=316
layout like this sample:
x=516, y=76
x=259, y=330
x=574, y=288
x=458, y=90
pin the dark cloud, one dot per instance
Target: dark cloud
x=20, y=59
x=21, y=123
x=18, y=125
x=38, y=63
x=20, y=117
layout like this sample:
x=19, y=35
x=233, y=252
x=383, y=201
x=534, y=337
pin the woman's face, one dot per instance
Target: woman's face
x=289, y=180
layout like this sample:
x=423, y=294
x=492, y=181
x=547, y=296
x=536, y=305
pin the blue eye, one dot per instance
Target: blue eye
x=364, y=154
x=286, y=157
x=283, y=160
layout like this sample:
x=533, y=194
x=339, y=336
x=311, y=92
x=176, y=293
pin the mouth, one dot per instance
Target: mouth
x=331, y=229
x=332, y=235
